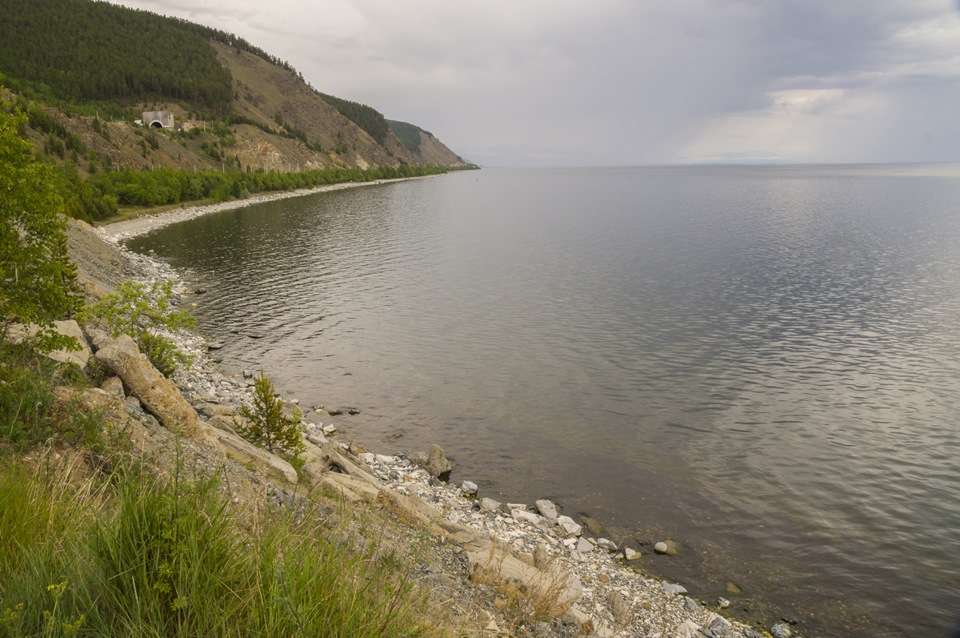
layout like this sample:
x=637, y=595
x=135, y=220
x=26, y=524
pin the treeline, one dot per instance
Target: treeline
x=82, y=51
x=99, y=196
x=366, y=117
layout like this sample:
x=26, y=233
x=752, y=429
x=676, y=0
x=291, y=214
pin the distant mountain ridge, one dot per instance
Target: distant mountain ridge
x=236, y=106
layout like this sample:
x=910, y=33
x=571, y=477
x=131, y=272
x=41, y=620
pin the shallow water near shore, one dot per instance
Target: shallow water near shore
x=762, y=362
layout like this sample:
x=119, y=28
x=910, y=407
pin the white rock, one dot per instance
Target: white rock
x=780, y=630
x=569, y=526
x=673, y=588
x=469, y=488
x=607, y=544
x=489, y=505
x=688, y=629
x=584, y=546
x=329, y=429
x=547, y=509
x=630, y=554
x=524, y=515
x=660, y=548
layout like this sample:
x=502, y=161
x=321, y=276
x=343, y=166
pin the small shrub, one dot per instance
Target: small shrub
x=267, y=426
x=142, y=313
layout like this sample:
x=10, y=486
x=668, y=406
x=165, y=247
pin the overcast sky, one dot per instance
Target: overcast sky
x=624, y=82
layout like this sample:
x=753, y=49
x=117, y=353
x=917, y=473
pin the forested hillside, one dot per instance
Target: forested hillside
x=84, y=72
x=81, y=51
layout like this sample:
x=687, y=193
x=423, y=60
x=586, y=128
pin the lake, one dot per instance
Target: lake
x=762, y=363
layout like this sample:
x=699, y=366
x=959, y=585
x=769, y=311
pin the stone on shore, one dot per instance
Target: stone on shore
x=469, y=488
x=489, y=505
x=524, y=515
x=781, y=630
x=688, y=629
x=569, y=526
x=673, y=588
x=630, y=554
x=547, y=510
x=435, y=462
x=159, y=395
x=607, y=544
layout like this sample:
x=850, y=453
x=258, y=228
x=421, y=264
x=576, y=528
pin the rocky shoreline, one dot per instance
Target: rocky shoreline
x=589, y=585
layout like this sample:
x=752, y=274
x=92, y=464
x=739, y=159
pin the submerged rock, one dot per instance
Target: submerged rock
x=667, y=547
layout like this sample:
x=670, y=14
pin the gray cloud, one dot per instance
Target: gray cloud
x=619, y=82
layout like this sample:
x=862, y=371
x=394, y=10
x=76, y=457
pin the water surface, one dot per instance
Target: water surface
x=761, y=362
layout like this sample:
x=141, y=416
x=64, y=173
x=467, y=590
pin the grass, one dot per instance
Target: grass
x=132, y=555
x=93, y=544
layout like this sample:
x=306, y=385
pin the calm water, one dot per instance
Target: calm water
x=763, y=363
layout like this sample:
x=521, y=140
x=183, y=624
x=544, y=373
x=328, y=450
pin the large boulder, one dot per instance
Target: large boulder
x=435, y=463
x=158, y=394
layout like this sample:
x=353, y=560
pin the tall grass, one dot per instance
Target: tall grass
x=168, y=559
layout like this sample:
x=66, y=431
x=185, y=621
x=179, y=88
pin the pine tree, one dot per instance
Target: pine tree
x=267, y=426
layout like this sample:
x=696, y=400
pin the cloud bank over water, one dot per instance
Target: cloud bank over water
x=616, y=82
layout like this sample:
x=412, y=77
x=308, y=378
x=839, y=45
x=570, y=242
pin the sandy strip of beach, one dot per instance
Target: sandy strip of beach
x=121, y=230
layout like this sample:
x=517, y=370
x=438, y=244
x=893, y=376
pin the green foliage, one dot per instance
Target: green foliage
x=37, y=280
x=143, y=314
x=409, y=134
x=267, y=426
x=169, y=559
x=366, y=117
x=106, y=52
x=97, y=197
x=30, y=414
x=166, y=558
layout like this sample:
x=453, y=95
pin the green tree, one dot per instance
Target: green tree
x=37, y=280
x=266, y=424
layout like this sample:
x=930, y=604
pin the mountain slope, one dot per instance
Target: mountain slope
x=237, y=107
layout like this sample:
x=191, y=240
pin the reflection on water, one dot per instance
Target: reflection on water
x=762, y=361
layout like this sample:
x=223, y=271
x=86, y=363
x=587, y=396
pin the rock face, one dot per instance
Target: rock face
x=435, y=463
x=159, y=395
